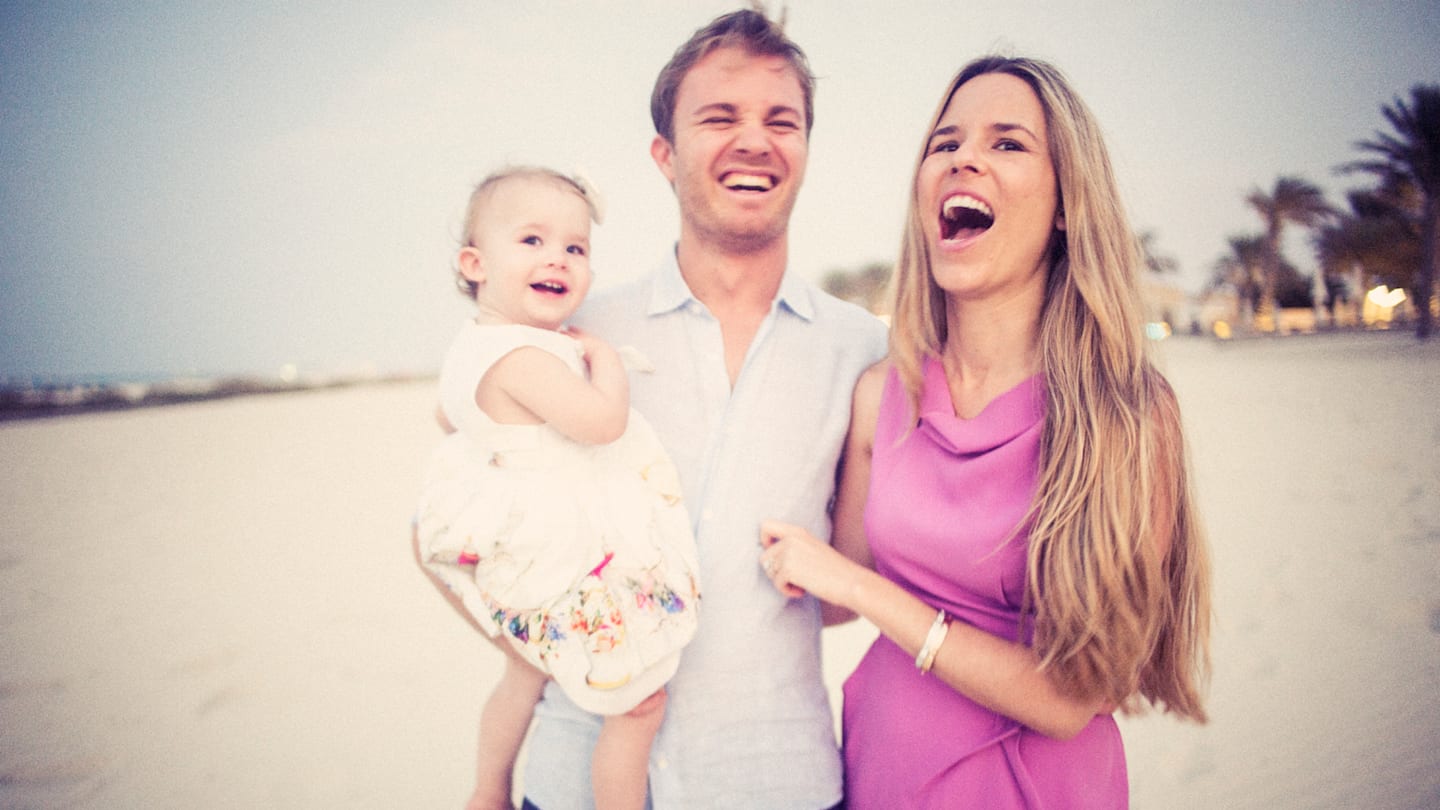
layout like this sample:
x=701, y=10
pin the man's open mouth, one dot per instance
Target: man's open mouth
x=746, y=181
x=963, y=216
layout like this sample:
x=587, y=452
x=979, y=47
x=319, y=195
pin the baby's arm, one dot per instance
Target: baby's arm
x=532, y=385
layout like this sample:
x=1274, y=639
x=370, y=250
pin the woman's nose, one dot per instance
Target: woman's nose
x=966, y=156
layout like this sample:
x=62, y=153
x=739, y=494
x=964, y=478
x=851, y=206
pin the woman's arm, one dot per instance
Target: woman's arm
x=853, y=481
x=530, y=385
x=1000, y=675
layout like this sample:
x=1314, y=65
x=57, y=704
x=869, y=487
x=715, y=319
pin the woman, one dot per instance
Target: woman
x=1014, y=476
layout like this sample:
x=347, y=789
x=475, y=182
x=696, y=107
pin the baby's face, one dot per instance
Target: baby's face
x=532, y=245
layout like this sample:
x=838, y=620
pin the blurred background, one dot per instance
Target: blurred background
x=271, y=189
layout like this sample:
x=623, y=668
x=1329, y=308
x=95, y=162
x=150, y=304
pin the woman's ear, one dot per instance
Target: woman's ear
x=1060, y=218
x=472, y=266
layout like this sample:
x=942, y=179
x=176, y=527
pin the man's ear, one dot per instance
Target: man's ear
x=472, y=267
x=663, y=154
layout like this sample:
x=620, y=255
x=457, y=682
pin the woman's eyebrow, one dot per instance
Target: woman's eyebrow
x=998, y=128
x=942, y=132
x=1008, y=127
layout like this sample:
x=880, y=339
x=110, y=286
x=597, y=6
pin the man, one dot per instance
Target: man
x=754, y=369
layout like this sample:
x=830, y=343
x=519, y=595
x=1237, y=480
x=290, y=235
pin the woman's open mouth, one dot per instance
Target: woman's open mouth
x=963, y=217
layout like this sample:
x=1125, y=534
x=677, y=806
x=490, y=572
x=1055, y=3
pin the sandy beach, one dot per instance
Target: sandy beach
x=213, y=604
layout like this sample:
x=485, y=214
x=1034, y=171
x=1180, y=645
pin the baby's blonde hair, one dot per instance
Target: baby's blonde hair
x=485, y=189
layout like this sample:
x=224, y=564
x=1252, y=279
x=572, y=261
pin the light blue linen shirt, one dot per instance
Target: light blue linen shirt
x=748, y=721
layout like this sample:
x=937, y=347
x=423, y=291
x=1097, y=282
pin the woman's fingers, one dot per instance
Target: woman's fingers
x=773, y=537
x=772, y=531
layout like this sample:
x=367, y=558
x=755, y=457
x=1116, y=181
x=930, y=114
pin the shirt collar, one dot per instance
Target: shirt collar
x=670, y=292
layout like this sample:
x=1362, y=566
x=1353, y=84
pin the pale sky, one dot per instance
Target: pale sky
x=207, y=188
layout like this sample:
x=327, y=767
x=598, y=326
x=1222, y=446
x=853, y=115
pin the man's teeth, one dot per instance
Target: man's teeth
x=749, y=182
x=953, y=207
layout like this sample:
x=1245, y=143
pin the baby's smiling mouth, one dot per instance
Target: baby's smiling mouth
x=549, y=287
x=963, y=216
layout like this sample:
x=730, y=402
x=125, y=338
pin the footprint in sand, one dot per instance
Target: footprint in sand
x=59, y=781
x=212, y=667
x=1200, y=764
x=219, y=699
x=35, y=688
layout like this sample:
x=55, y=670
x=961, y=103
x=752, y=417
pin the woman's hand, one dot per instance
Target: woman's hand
x=1001, y=675
x=798, y=563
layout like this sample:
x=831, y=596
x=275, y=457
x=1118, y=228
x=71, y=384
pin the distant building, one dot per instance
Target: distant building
x=1219, y=312
x=1165, y=303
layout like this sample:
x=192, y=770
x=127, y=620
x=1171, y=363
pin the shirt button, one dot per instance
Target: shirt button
x=661, y=763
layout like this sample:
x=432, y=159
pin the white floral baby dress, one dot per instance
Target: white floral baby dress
x=580, y=555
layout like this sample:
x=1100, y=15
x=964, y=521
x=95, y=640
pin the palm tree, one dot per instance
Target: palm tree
x=1412, y=154
x=1377, y=241
x=1155, y=260
x=1293, y=200
x=1242, y=270
x=866, y=286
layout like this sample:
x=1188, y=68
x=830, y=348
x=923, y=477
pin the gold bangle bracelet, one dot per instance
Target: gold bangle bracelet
x=933, y=639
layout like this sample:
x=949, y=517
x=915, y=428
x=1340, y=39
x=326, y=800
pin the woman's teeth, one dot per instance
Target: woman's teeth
x=964, y=216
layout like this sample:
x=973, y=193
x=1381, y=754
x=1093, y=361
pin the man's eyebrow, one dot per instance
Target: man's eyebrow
x=718, y=106
x=731, y=109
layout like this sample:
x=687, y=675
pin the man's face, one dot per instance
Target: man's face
x=739, y=152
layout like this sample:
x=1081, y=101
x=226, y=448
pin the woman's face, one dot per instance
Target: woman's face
x=987, y=192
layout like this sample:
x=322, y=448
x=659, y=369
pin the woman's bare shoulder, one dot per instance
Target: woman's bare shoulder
x=865, y=408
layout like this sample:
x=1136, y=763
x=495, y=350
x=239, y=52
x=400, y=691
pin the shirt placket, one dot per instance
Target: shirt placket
x=725, y=411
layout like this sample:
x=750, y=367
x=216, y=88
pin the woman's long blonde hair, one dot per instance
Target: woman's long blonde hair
x=1112, y=618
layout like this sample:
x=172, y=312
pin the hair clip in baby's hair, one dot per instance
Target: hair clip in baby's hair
x=592, y=196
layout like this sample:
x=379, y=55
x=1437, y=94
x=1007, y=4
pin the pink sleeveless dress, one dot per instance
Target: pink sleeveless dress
x=944, y=498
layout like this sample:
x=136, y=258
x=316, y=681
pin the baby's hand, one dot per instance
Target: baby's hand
x=590, y=345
